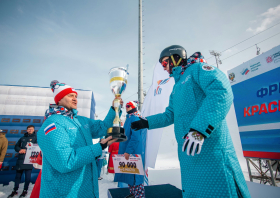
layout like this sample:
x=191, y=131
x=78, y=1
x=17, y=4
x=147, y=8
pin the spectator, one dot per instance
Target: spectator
x=133, y=145
x=3, y=147
x=113, y=149
x=20, y=147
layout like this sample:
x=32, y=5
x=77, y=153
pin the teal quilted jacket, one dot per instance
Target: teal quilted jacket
x=200, y=100
x=69, y=157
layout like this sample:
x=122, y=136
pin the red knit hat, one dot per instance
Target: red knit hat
x=132, y=104
x=60, y=90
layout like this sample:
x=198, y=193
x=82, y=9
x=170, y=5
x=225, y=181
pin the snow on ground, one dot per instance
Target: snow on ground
x=156, y=176
x=5, y=191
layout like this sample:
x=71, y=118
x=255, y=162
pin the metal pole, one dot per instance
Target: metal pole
x=249, y=170
x=140, y=66
x=271, y=172
x=216, y=60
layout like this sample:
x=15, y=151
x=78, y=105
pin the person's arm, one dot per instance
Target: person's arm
x=134, y=141
x=162, y=119
x=35, y=139
x=216, y=105
x=99, y=128
x=17, y=146
x=3, y=151
x=56, y=148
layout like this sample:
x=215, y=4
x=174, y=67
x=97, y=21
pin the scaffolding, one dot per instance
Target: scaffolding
x=268, y=170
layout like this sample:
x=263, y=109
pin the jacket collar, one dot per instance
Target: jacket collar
x=27, y=135
x=136, y=113
x=60, y=110
x=176, y=73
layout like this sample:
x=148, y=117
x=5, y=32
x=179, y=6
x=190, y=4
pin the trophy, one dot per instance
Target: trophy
x=118, y=81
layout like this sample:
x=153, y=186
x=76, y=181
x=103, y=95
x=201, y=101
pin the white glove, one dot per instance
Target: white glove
x=193, y=143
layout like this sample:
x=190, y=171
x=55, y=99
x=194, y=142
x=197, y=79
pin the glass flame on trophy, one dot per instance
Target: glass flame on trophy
x=118, y=81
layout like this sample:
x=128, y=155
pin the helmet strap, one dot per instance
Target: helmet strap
x=174, y=62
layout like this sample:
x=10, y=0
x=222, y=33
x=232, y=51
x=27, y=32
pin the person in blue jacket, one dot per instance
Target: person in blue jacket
x=69, y=156
x=133, y=145
x=198, y=105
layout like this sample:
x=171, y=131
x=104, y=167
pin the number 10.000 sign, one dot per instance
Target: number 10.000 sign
x=131, y=166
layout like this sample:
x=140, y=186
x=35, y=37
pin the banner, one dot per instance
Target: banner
x=256, y=89
x=133, y=165
x=156, y=100
x=32, y=152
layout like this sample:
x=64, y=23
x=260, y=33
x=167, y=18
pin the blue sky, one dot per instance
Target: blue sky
x=77, y=42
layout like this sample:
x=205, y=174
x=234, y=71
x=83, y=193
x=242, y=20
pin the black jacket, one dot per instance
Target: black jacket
x=21, y=144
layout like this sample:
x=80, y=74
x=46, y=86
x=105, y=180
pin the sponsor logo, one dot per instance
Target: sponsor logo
x=245, y=71
x=255, y=66
x=207, y=68
x=269, y=59
x=175, y=49
x=186, y=79
x=231, y=76
x=158, y=90
x=273, y=58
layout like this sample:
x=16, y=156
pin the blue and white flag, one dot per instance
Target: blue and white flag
x=156, y=100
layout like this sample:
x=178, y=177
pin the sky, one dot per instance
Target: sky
x=77, y=42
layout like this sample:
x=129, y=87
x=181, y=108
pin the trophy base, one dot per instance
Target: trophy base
x=116, y=133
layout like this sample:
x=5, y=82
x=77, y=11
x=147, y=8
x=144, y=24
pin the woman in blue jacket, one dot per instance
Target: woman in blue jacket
x=133, y=145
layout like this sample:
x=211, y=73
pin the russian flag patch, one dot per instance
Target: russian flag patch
x=49, y=128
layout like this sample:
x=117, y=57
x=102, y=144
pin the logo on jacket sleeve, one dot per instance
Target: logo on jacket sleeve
x=49, y=128
x=207, y=67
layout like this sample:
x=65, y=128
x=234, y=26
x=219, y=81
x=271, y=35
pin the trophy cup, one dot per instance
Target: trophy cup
x=118, y=81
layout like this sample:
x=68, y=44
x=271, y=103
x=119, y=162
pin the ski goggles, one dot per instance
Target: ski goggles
x=58, y=85
x=164, y=63
x=127, y=106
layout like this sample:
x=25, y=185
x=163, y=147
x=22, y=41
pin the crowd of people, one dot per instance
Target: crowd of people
x=198, y=105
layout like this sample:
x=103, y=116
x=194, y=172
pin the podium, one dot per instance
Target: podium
x=156, y=191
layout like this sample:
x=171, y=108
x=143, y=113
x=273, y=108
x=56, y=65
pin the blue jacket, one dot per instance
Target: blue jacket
x=69, y=157
x=133, y=145
x=200, y=100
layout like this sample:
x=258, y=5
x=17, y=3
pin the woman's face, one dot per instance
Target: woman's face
x=165, y=64
x=128, y=108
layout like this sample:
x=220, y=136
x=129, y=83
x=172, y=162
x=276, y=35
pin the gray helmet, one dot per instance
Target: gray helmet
x=172, y=50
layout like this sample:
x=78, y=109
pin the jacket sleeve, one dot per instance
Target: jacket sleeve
x=162, y=119
x=99, y=128
x=17, y=146
x=3, y=150
x=56, y=148
x=134, y=140
x=217, y=102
